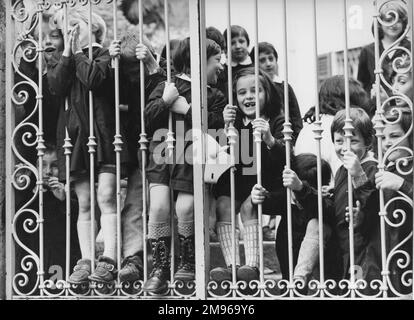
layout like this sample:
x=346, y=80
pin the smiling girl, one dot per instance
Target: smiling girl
x=270, y=124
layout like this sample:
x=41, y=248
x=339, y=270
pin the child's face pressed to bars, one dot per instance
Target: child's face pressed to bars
x=239, y=48
x=214, y=67
x=358, y=145
x=392, y=134
x=246, y=96
x=403, y=84
x=49, y=166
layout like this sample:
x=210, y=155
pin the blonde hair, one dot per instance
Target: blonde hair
x=98, y=24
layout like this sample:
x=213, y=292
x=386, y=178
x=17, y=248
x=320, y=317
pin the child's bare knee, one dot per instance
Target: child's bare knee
x=106, y=199
x=223, y=209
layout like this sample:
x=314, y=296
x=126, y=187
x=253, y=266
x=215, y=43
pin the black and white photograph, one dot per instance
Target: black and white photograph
x=225, y=152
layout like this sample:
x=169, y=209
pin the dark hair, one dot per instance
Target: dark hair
x=332, y=97
x=305, y=166
x=404, y=120
x=173, y=45
x=265, y=47
x=386, y=12
x=181, y=58
x=214, y=34
x=273, y=102
x=360, y=121
x=50, y=147
x=236, y=31
x=130, y=65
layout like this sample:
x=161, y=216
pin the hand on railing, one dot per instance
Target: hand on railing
x=258, y=194
x=263, y=127
x=114, y=49
x=76, y=46
x=67, y=51
x=229, y=114
x=143, y=53
x=388, y=181
x=170, y=94
x=356, y=214
x=352, y=163
x=291, y=180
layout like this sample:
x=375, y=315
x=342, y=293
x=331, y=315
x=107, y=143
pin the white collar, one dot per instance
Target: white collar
x=94, y=45
x=246, y=120
x=184, y=77
x=277, y=79
x=245, y=62
x=369, y=157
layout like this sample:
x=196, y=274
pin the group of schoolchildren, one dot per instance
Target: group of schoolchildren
x=71, y=75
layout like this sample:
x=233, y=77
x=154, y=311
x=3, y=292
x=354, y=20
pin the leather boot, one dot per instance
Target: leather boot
x=186, y=267
x=158, y=279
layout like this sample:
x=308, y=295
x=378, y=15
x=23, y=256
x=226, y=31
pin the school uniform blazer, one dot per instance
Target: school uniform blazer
x=130, y=84
x=157, y=112
x=73, y=77
x=273, y=160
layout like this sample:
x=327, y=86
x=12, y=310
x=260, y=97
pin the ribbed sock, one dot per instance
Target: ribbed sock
x=226, y=243
x=251, y=243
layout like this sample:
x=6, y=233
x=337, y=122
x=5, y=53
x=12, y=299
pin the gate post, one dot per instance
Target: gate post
x=199, y=119
x=9, y=163
x=411, y=37
x=2, y=149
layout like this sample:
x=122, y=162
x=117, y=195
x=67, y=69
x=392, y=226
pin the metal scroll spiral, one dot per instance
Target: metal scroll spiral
x=399, y=257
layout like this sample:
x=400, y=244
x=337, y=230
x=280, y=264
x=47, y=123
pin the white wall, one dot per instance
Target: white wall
x=301, y=61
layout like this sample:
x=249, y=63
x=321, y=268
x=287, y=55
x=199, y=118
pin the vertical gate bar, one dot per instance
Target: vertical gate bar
x=170, y=139
x=258, y=140
x=318, y=136
x=199, y=120
x=287, y=131
x=10, y=161
x=118, y=145
x=232, y=137
x=170, y=135
x=379, y=127
x=411, y=37
x=91, y=150
x=67, y=147
x=143, y=144
x=348, y=129
x=40, y=146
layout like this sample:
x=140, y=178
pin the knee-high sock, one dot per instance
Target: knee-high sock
x=84, y=236
x=309, y=251
x=109, y=230
x=226, y=243
x=251, y=243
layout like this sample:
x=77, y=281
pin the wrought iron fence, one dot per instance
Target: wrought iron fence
x=29, y=191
